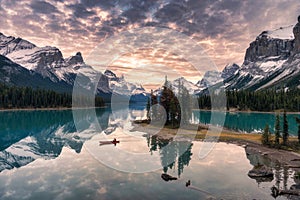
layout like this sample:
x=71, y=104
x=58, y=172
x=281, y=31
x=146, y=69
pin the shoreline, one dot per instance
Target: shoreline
x=246, y=111
x=250, y=141
x=47, y=109
x=67, y=108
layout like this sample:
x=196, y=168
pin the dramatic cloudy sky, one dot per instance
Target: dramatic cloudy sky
x=224, y=28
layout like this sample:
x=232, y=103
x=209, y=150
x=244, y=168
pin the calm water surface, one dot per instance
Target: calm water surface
x=246, y=122
x=45, y=155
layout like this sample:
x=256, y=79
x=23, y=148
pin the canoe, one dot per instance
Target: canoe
x=108, y=142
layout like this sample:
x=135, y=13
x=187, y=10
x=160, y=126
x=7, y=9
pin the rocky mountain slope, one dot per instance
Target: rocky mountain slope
x=49, y=63
x=211, y=78
x=272, y=60
x=13, y=74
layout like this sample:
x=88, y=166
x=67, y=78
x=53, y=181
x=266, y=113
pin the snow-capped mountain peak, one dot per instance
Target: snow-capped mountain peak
x=139, y=90
x=272, y=60
x=229, y=70
x=191, y=87
x=37, y=58
x=283, y=33
x=210, y=78
x=75, y=60
x=9, y=44
x=50, y=64
x=110, y=75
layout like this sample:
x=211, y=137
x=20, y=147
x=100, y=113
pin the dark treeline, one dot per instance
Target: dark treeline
x=265, y=100
x=26, y=97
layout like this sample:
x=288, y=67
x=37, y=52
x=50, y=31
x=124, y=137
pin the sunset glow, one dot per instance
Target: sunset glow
x=223, y=29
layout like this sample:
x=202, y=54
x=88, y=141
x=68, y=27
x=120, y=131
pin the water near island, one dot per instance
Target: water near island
x=56, y=155
x=248, y=122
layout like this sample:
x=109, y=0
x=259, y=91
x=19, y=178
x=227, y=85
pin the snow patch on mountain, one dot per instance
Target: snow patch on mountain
x=283, y=33
x=270, y=66
x=229, y=70
x=43, y=58
x=10, y=44
x=210, y=78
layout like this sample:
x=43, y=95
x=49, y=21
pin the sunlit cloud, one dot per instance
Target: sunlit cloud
x=150, y=69
x=223, y=29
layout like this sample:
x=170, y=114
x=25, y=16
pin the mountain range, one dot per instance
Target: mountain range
x=271, y=60
x=22, y=63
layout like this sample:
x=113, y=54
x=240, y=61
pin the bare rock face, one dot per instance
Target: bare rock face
x=73, y=60
x=265, y=46
x=229, y=70
x=46, y=59
x=296, y=32
x=50, y=57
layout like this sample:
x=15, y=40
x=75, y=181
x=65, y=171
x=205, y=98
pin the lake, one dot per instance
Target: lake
x=56, y=155
x=247, y=121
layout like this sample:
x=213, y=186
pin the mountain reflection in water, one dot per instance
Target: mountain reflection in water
x=50, y=143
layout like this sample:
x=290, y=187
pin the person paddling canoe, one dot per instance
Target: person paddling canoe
x=114, y=141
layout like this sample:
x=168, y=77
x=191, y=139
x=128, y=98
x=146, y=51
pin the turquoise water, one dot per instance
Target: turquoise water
x=247, y=122
x=48, y=155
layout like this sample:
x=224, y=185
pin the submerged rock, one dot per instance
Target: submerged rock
x=261, y=171
x=295, y=187
x=293, y=193
x=167, y=177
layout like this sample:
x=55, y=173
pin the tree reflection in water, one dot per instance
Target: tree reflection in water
x=172, y=153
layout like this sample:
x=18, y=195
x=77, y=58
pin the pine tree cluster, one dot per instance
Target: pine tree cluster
x=27, y=97
x=264, y=100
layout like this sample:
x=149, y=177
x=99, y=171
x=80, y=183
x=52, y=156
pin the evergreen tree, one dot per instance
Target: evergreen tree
x=298, y=122
x=185, y=103
x=26, y=97
x=262, y=100
x=265, y=140
x=148, y=108
x=173, y=113
x=154, y=111
x=178, y=109
x=165, y=101
x=285, y=132
x=277, y=130
x=299, y=132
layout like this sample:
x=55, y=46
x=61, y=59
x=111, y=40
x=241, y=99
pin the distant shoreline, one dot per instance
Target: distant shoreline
x=246, y=111
x=47, y=109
